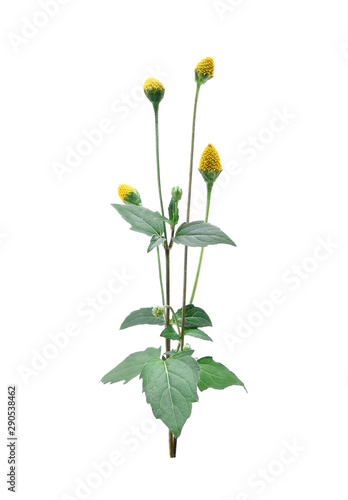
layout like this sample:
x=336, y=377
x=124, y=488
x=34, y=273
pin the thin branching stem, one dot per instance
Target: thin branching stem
x=209, y=189
x=188, y=217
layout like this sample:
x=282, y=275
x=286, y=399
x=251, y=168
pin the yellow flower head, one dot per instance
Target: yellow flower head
x=204, y=70
x=210, y=160
x=123, y=190
x=153, y=84
x=154, y=90
x=129, y=195
x=210, y=165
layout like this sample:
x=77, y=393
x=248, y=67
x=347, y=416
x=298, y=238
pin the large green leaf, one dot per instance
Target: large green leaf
x=171, y=387
x=215, y=375
x=142, y=316
x=200, y=234
x=155, y=242
x=195, y=332
x=170, y=333
x=131, y=366
x=142, y=219
x=194, y=317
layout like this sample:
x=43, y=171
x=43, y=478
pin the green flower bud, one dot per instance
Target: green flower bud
x=176, y=193
x=173, y=205
x=187, y=347
x=158, y=311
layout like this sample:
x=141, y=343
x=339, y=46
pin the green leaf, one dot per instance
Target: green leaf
x=194, y=317
x=194, y=332
x=155, y=242
x=200, y=234
x=215, y=375
x=171, y=387
x=142, y=316
x=170, y=333
x=170, y=353
x=142, y=219
x=131, y=366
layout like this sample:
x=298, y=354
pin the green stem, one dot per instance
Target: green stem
x=166, y=249
x=155, y=107
x=192, y=151
x=188, y=216
x=167, y=294
x=187, y=220
x=209, y=189
x=175, y=318
x=160, y=274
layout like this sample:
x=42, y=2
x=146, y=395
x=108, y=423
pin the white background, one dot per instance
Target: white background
x=61, y=241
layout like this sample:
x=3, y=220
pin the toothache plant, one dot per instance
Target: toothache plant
x=171, y=381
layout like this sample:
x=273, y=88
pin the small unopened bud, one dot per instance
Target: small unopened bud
x=176, y=193
x=173, y=205
x=187, y=347
x=158, y=311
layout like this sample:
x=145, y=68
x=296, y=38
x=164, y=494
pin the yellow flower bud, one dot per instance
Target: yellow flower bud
x=154, y=90
x=123, y=190
x=204, y=70
x=129, y=195
x=210, y=164
x=210, y=160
